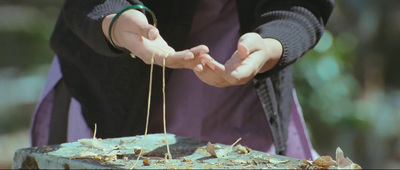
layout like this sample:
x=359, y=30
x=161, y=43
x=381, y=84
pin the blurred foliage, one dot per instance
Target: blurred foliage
x=25, y=30
x=348, y=84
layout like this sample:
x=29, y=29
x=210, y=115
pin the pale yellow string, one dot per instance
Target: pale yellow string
x=148, y=109
x=164, y=119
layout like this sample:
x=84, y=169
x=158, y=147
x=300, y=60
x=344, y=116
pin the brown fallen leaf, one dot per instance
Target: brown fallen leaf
x=306, y=162
x=324, y=161
x=211, y=149
x=221, y=152
x=242, y=149
x=146, y=162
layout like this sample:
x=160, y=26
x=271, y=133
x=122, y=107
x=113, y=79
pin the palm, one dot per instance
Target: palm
x=254, y=55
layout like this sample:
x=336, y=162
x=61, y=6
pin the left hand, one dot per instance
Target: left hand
x=253, y=55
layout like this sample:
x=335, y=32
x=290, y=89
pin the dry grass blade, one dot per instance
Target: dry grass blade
x=168, y=155
x=148, y=110
x=164, y=116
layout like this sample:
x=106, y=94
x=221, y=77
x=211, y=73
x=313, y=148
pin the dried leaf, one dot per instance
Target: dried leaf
x=241, y=149
x=248, y=149
x=240, y=162
x=341, y=160
x=306, y=162
x=222, y=152
x=107, y=157
x=345, y=163
x=85, y=154
x=184, y=159
x=137, y=151
x=355, y=166
x=211, y=149
x=275, y=161
x=217, y=146
x=146, y=162
x=324, y=161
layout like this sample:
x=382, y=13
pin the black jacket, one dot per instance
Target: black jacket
x=112, y=87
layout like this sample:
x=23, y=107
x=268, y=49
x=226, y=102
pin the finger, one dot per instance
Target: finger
x=200, y=61
x=211, y=78
x=242, y=50
x=181, y=55
x=241, y=73
x=216, y=66
x=199, y=50
x=206, y=59
x=198, y=68
x=219, y=72
x=239, y=76
x=152, y=32
x=183, y=61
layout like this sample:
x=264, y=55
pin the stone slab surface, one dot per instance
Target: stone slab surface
x=122, y=153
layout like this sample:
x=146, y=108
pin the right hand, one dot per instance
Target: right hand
x=133, y=32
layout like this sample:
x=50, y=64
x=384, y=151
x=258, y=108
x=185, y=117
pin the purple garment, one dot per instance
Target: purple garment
x=77, y=127
x=299, y=145
x=195, y=109
x=208, y=113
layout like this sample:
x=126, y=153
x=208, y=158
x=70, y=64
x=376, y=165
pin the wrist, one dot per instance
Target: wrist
x=112, y=19
x=105, y=25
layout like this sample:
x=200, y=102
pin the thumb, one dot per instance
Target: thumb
x=138, y=24
x=150, y=32
x=249, y=43
x=242, y=50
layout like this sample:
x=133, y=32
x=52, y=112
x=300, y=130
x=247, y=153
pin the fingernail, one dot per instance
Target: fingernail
x=198, y=68
x=203, y=62
x=247, y=50
x=190, y=56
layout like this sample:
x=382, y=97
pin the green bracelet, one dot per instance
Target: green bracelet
x=123, y=10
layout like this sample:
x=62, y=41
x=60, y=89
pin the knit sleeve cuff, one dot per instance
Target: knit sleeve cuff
x=85, y=19
x=297, y=27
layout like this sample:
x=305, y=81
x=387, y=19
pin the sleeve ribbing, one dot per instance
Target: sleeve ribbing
x=297, y=24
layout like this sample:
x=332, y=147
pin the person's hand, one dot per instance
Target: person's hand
x=133, y=32
x=254, y=55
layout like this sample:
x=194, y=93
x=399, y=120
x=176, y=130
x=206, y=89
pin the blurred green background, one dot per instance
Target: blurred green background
x=348, y=86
